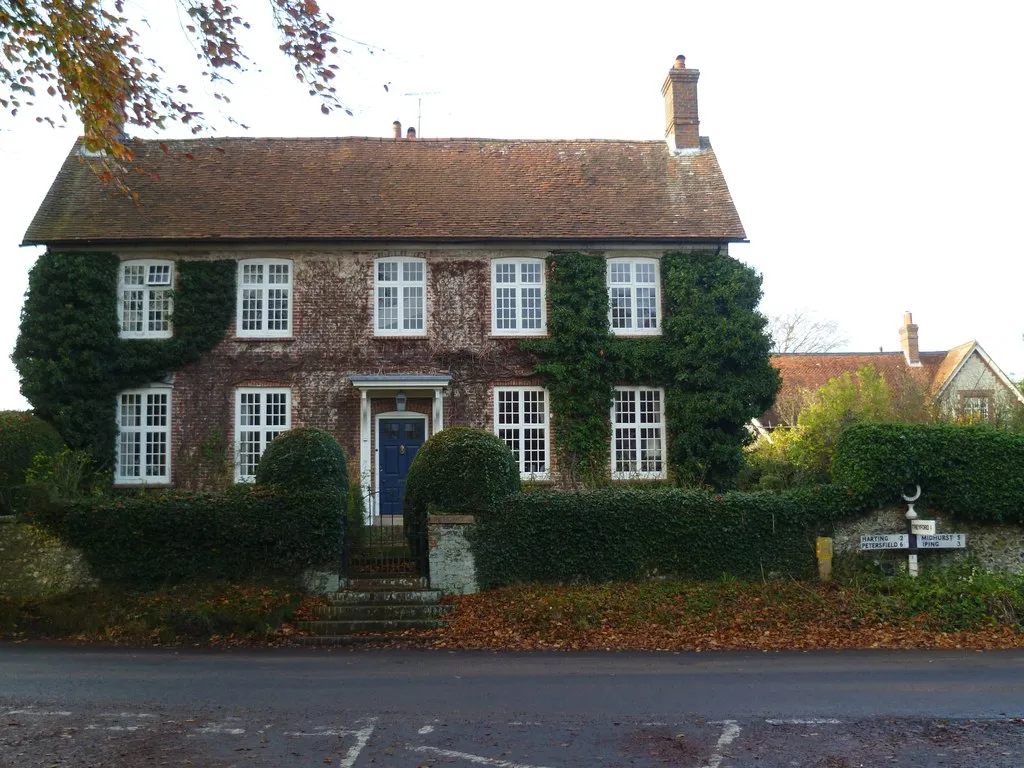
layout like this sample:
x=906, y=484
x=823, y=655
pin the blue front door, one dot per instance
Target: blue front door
x=397, y=443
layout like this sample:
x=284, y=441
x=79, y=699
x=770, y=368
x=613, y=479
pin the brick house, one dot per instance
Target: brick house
x=962, y=382
x=384, y=285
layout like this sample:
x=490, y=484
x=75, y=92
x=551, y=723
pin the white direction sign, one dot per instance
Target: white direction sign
x=942, y=541
x=885, y=541
x=922, y=526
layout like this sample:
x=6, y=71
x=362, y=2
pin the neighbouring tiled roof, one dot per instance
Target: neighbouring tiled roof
x=387, y=189
x=951, y=362
x=806, y=373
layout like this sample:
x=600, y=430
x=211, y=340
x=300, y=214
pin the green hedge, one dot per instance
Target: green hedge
x=241, y=533
x=621, y=534
x=973, y=472
x=22, y=437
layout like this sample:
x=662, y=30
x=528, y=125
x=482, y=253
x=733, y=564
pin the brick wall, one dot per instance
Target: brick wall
x=333, y=336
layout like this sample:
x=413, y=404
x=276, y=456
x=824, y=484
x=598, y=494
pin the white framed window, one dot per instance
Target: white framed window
x=264, y=298
x=261, y=414
x=638, y=433
x=400, y=296
x=517, y=297
x=634, y=296
x=521, y=420
x=143, y=436
x=144, y=311
x=975, y=408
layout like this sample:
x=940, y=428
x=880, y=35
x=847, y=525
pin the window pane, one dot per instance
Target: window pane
x=156, y=410
x=530, y=272
x=131, y=311
x=387, y=308
x=504, y=273
x=412, y=271
x=277, y=409
x=131, y=410
x=129, y=451
x=134, y=274
x=621, y=305
x=646, y=308
x=159, y=310
x=508, y=406
x=277, y=274
x=412, y=308
x=252, y=274
x=531, y=308
x=249, y=409
x=277, y=309
x=505, y=307
x=620, y=272
x=252, y=309
x=159, y=274
x=156, y=454
x=387, y=271
x=645, y=273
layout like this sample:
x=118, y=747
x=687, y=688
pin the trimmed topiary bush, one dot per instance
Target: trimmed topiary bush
x=458, y=470
x=304, y=458
x=23, y=435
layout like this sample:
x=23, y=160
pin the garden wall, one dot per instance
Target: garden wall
x=35, y=565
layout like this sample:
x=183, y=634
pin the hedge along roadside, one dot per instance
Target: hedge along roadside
x=622, y=534
x=972, y=472
x=245, y=532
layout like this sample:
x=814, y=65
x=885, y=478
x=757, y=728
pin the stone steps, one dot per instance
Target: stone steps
x=369, y=609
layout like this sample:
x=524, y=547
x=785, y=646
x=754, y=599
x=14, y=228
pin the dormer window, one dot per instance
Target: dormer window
x=144, y=311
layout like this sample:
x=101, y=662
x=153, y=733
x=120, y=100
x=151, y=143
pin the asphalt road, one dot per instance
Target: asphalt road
x=354, y=709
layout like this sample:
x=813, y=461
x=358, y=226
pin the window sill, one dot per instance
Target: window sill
x=401, y=336
x=541, y=335
x=162, y=485
x=246, y=339
x=636, y=334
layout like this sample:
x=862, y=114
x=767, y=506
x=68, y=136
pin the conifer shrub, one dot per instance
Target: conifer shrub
x=23, y=436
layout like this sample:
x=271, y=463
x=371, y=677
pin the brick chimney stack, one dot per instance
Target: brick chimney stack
x=397, y=127
x=908, y=340
x=682, y=127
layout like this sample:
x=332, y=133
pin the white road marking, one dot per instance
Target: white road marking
x=221, y=729
x=730, y=731
x=808, y=721
x=522, y=722
x=425, y=730
x=94, y=727
x=362, y=737
x=320, y=732
x=124, y=714
x=478, y=759
x=36, y=713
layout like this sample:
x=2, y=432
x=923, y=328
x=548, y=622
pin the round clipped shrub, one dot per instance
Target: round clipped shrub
x=458, y=470
x=303, y=459
x=22, y=436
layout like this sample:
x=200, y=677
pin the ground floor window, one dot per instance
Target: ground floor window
x=260, y=416
x=144, y=436
x=638, y=433
x=521, y=420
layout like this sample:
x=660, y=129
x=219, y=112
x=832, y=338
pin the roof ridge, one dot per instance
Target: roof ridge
x=391, y=140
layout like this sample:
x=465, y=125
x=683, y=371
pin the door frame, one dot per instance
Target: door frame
x=373, y=510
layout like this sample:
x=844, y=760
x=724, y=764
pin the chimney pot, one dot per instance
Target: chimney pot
x=411, y=133
x=682, y=124
x=908, y=340
x=397, y=126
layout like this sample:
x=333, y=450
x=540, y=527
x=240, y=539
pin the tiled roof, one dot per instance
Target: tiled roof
x=804, y=374
x=388, y=189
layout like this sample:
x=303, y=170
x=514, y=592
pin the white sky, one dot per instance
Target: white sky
x=874, y=149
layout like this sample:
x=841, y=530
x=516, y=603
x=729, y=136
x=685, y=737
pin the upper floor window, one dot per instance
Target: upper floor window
x=144, y=436
x=521, y=420
x=638, y=433
x=260, y=416
x=145, y=308
x=517, y=299
x=400, y=291
x=975, y=407
x=633, y=296
x=264, y=298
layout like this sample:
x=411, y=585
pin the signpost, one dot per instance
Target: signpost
x=920, y=535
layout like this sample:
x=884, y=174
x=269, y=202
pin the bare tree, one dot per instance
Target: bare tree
x=801, y=331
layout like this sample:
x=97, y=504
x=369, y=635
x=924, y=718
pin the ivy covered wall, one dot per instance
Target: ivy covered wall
x=712, y=358
x=70, y=357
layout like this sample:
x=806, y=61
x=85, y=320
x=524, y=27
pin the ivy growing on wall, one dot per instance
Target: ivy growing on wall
x=712, y=359
x=70, y=357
